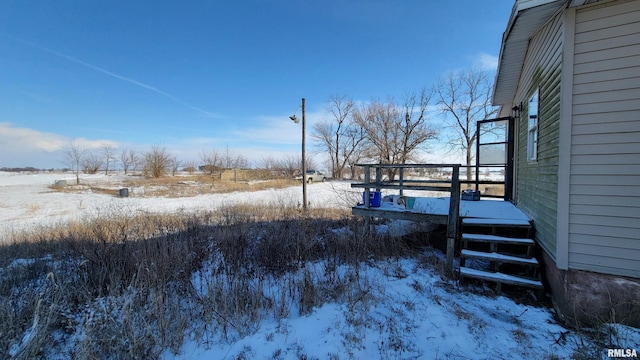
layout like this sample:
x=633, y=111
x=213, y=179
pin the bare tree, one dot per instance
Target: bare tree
x=287, y=166
x=416, y=129
x=227, y=159
x=190, y=167
x=174, y=164
x=242, y=162
x=465, y=98
x=92, y=163
x=273, y=166
x=268, y=163
x=290, y=165
x=108, y=152
x=211, y=161
x=310, y=163
x=396, y=133
x=379, y=119
x=75, y=156
x=129, y=159
x=231, y=160
x=156, y=162
x=341, y=136
x=358, y=155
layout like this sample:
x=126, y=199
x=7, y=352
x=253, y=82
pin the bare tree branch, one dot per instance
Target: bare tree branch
x=339, y=137
x=396, y=133
x=92, y=163
x=211, y=161
x=156, y=161
x=108, y=153
x=128, y=159
x=75, y=156
x=465, y=99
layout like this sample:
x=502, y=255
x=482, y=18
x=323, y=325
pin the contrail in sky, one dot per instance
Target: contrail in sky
x=112, y=74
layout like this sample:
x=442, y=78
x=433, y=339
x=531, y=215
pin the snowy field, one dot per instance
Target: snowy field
x=27, y=200
x=411, y=313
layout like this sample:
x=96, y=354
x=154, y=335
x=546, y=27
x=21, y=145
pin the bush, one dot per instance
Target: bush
x=156, y=162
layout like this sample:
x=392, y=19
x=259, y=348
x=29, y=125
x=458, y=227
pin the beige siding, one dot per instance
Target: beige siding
x=537, y=182
x=604, y=197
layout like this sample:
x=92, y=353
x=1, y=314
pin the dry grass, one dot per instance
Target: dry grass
x=131, y=286
x=177, y=186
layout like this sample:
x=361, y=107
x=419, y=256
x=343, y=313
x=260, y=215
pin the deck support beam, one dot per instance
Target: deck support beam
x=452, y=224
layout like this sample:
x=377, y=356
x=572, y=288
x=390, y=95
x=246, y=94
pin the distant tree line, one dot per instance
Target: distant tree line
x=19, y=169
x=22, y=169
x=158, y=161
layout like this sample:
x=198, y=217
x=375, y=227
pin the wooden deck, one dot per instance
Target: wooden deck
x=398, y=214
x=435, y=210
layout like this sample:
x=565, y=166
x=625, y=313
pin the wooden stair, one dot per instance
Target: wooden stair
x=508, y=247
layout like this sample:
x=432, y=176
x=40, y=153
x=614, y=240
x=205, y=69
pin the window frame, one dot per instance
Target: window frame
x=533, y=121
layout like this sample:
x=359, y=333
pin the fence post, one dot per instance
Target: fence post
x=367, y=190
x=401, y=179
x=367, y=194
x=378, y=176
x=454, y=213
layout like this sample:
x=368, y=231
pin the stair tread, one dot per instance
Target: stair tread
x=495, y=222
x=494, y=256
x=499, y=277
x=496, y=238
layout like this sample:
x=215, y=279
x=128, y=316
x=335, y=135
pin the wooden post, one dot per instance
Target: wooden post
x=367, y=189
x=454, y=213
x=401, y=178
x=378, y=182
x=372, y=228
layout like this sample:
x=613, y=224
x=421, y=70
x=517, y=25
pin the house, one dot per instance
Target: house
x=569, y=72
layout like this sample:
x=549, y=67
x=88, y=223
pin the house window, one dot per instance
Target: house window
x=532, y=137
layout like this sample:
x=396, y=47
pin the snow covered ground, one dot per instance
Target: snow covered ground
x=26, y=200
x=415, y=315
x=410, y=310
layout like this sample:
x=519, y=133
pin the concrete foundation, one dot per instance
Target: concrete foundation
x=587, y=298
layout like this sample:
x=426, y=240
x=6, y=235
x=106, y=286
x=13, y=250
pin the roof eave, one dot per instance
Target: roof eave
x=526, y=18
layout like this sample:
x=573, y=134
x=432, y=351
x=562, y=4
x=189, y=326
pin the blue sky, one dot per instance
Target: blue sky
x=200, y=75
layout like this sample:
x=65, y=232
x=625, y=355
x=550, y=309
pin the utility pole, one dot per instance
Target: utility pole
x=304, y=159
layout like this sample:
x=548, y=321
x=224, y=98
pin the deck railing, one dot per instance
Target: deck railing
x=451, y=186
